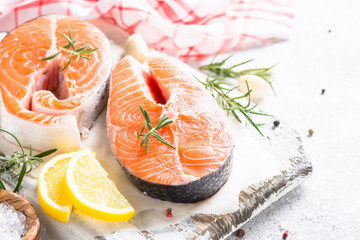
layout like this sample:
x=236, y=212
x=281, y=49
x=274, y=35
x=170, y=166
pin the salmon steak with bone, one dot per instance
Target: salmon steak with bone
x=199, y=162
x=48, y=103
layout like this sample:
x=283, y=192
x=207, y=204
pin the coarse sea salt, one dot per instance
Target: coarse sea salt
x=12, y=223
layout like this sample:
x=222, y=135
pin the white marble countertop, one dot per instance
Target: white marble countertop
x=323, y=53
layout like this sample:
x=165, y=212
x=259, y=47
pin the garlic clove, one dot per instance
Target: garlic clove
x=258, y=86
x=136, y=46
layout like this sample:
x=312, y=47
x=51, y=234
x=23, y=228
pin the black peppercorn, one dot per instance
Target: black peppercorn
x=276, y=123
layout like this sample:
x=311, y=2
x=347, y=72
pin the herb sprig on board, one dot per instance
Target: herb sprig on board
x=220, y=89
x=25, y=161
x=220, y=70
x=163, y=121
x=82, y=52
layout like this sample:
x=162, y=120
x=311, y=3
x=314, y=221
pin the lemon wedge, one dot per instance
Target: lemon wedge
x=51, y=193
x=92, y=192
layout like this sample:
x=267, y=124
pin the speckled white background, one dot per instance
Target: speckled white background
x=327, y=205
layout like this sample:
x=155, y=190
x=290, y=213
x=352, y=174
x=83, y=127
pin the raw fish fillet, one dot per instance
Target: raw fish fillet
x=201, y=162
x=40, y=104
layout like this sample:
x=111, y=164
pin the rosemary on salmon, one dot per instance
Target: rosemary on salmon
x=163, y=121
x=82, y=52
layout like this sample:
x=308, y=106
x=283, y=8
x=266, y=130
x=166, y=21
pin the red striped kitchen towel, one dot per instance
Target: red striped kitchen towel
x=184, y=28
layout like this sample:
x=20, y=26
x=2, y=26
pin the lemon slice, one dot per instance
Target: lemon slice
x=51, y=192
x=92, y=193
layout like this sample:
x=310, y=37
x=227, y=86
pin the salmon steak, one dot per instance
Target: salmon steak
x=42, y=104
x=200, y=164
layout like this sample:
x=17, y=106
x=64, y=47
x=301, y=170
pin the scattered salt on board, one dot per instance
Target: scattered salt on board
x=12, y=223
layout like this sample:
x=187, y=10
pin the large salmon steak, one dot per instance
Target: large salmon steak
x=200, y=164
x=41, y=104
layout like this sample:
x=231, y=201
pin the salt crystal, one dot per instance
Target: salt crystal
x=309, y=216
x=12, y=223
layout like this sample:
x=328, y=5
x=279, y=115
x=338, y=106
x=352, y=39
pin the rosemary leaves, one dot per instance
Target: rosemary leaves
x=220, y=91
x=220, y=70
x=82, y=52
x=20, y=160
x=217, y=84
x=163, y=121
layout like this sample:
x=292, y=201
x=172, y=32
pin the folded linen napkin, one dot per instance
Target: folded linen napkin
x=184, y=28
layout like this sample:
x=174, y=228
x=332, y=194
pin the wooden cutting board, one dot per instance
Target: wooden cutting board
x=285, y=143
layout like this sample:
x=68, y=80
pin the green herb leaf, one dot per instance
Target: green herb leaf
x=219, y=88
x=232, y=105
x=87, y=51
x=83, y=48
x=2, y=186
x=82, y=52
x=71, y=42
x=161, y=139
x=21, y=175
x=221, y=71
x=44, y=154
x=17, y=160
x=69, y=31
x=51, y=57
x=163, y=121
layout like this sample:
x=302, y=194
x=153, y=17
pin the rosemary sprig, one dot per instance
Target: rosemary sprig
x=163, y=121
x=220, y=91
x=217, y=84
x=228, y=72
x=83, y=52
x=20, y=160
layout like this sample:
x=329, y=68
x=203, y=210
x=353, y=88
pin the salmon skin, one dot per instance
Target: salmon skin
x=40, y=104
x=201, y=163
